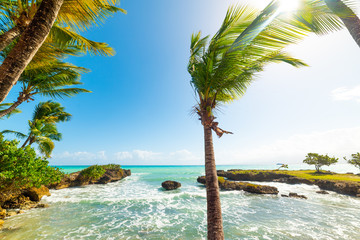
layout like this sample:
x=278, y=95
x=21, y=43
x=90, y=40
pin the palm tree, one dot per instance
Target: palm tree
x=324, y=16
x=55, y=81
x=75, y=14
x=42, y=126
x=347, y=16
x=222, y=68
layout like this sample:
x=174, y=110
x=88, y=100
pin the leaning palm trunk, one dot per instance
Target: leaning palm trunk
x=29, y=43
x=214, y=217
x=347, y=16
x=20, y=100
x=8, y=37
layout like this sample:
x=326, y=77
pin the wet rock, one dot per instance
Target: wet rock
x=343, y=187
x=42, y=205
x=2, y=213
x=357, y=195
x=35, y=194
x=247, y=187
x=295, y=195
x=284, y=195
x=322, y=192
x=171, y=185
x=11, y=213
x=20, y=211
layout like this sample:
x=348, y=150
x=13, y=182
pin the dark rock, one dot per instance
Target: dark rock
x=350, y=173
x=322, y=192
x=295, y=195
x=170, y=185
x=247, y=187
x=294, y=180
x=42, y=205
x=2, y=213
x=357, y=195
x=11, y=213
x=284, y=195
x=343, y=187
x=35, y=194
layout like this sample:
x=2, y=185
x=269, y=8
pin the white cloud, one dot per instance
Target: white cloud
x=82, y=156
x=184, y=156
x=146, y=155
x=346, y=94
x=123, y=155
x=338, y=142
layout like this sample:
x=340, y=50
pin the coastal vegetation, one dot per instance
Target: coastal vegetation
x=94, y=172
x=355, y=160
x=22, y=168
x=319, y=160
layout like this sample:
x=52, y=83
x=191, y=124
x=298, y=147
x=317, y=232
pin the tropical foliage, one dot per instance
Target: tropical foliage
x=21, y=168
x=23, y=20
x=42, y=127
x=319, y=160
x=355, y=160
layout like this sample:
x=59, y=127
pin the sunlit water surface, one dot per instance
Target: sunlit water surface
x=138, y=208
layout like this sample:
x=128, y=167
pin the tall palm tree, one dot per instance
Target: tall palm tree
x=324, y=16
x=55, y=80
x=222, y=68
x=42, y=126
x=87, y=12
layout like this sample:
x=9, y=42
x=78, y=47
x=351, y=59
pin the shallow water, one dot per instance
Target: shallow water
x=137, y=208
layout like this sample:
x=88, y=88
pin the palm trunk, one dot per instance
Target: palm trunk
x=29, y=43
x=10, y=109
x=8, y=37
x=214, y=217
x=347, y=16
x=26, y=141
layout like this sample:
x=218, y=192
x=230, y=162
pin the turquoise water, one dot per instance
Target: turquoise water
x=137, y=208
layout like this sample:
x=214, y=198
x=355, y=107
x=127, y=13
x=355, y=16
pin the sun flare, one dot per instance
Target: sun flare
x=289, y=5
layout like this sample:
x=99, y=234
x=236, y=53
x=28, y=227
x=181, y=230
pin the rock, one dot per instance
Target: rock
x=284, y=195
x=322, y=192
x=35, y=194
x=11, y=213
x=343, y=187
x=247, y=187
x=357, y=195
x=295, y=195
x=76, y=179
x=20, y=211
x=42, y=205
x=350, y=173
x=2, y=213
x=170, y=185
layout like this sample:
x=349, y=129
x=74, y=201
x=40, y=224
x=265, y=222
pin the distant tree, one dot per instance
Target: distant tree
x=355, y=160
x=283, y=166
x=319, y=160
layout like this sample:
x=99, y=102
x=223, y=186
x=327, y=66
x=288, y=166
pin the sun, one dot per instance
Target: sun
x=289, y=5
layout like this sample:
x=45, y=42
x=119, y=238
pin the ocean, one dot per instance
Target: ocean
x=138, y=208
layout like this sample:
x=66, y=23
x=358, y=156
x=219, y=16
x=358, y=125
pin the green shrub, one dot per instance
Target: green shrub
x=21, y=168
x=111, y=166
x=93, y=173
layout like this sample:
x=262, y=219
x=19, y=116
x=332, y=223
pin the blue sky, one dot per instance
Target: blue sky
x=139, y=111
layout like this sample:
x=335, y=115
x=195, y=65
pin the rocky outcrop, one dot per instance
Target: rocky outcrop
x=35, y=194
x=322, y=192
x=342, y=187
x=247, y=187
x=170, y=185
x=76, y=179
